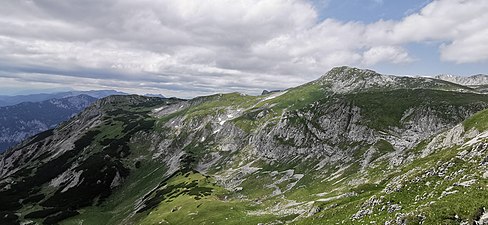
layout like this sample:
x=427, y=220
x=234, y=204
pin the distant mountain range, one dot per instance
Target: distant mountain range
x=23, y=120
x=478, y=82
x=155, y=95
x=22, y=116
x=6, y=100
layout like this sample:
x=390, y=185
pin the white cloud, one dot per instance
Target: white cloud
x=473, y=48
x=379, y=54
x=460, y=24
x=218, y=45
x=442, y=20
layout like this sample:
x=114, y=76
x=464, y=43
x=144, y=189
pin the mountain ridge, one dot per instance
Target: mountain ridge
x=306, y=155
x=478, y=79
x=346, y=79
x=478, y=82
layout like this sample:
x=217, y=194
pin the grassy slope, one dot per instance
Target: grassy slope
x=179, y=208
x=465, y=204
x=478, y=121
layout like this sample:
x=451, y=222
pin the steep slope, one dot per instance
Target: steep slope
x=353, y=147
x=23, y=120
x=441, y=182
x=77, y=164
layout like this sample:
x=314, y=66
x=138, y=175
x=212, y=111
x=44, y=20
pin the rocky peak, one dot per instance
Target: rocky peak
x=348, y=79
x=347, y=73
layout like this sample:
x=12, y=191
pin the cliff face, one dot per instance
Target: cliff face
x=347, y=147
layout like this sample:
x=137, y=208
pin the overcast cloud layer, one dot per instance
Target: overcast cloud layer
x=191, y=47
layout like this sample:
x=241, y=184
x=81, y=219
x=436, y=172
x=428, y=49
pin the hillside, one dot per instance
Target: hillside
x=353, y=147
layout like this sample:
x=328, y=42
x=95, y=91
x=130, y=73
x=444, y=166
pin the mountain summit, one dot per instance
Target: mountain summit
x=348, y=79
x=353, y=147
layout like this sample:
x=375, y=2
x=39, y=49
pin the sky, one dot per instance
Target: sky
x=187, y=48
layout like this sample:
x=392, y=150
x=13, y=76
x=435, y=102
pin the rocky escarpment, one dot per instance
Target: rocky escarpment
x=333, y=131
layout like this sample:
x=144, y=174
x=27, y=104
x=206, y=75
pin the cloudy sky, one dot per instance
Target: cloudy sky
x=186, y=48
